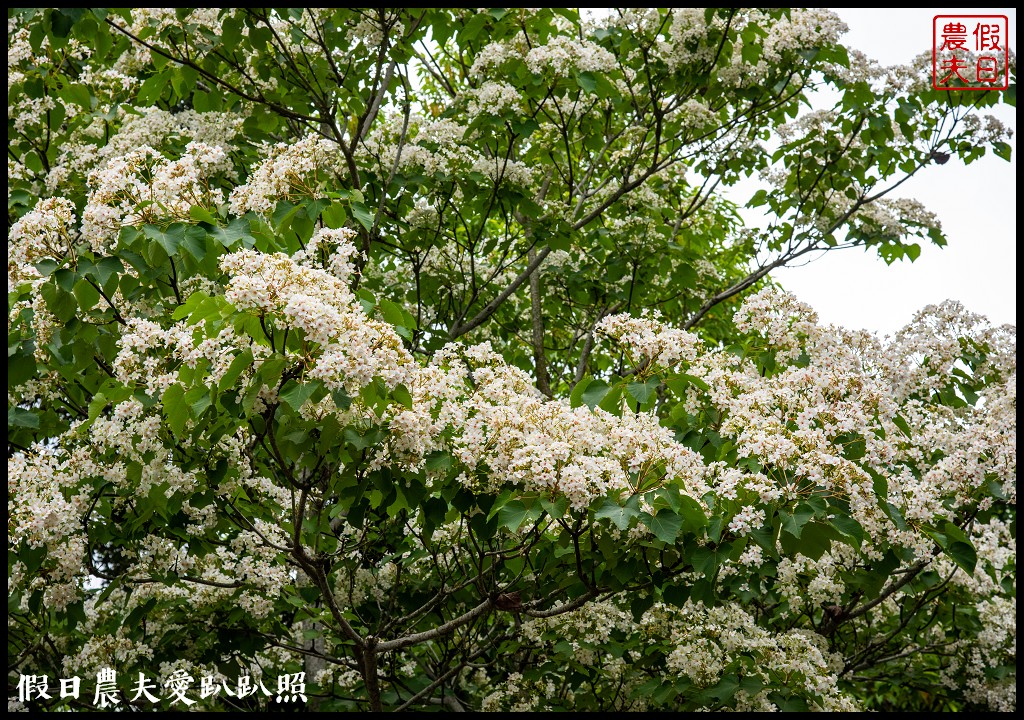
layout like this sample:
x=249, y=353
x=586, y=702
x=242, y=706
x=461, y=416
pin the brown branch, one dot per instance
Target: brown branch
x=539, y=361
x=441, y=630
x=493, y=305
x=564, y=608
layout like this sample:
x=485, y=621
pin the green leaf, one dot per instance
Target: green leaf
x=642, y=392
x=815, y=540
x=176, y=410
x=364, y=216
x=612, y=402
x=676, y=594
x=87, y=295
x=853, y=445
x=678, y=383
x=954, y=533
x=587, y=81
x=189, y=306
x=22, y=417
x=724, y=689
x=296, y=394
x=964, y=555
x=438, y=460
x=1010, y=95
x=850, y=528
x=63, y=19
x=237, y=230
x=21, y=366
x=881, y=488
x=169, y=239
x=194, y=242
x=707, y=560
x=789, y=703
x=334, y=216
x=201, y=214
x=620, y=515
x=242, y=360
x=362, y=441
x=665, y=525
x=594, y=392
x=75, y=614
x=576, y=396
x=341, y=399
x=667, y=497
x=512, y=515
x=402, y=395
x=106, y=268
x=200, y=403
x=902, y=424
x=794, y=523
x=395, y=314
x=272, y=369
x=62, y=304
x=692, y=512
x=555, y=508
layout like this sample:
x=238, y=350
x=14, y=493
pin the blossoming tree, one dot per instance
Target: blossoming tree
x=412, y=351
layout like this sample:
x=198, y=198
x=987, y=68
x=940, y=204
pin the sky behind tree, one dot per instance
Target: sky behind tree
x=976, y=204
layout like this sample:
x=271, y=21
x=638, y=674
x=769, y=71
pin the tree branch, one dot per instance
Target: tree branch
x=440, y=631
x=539, y=361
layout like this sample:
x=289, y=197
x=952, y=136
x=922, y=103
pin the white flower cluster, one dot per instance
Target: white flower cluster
x=44, y=511
x=354, y=348
x=142, y=127
x=806, y=28
x=47, y=231
x=19, y=51
x=848, y=395
x=588, y=630
x=148, y=355
x=747, y=519
x=814, y=124
x=302, y=168
x=370, y=30
x=780, y=318
x=804, y=582
x=699, y=643
x=897, y=216
x=996, y=645
x=339, y=260
x=707, y=640
x=500, y=170
x=517, y=694
x=32, y=114
x=144, y=186
x=504, y=432
x=637, y=21
x=647, y=339
x=437, y=147
x=687, y=39
x=559, y=56
x=493, y=97
x=987, y=129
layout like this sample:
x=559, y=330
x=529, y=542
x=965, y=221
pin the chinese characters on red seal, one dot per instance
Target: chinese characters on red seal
x=970, y=52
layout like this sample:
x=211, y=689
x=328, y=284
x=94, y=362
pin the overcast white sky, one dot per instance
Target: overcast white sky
x=977, y=205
